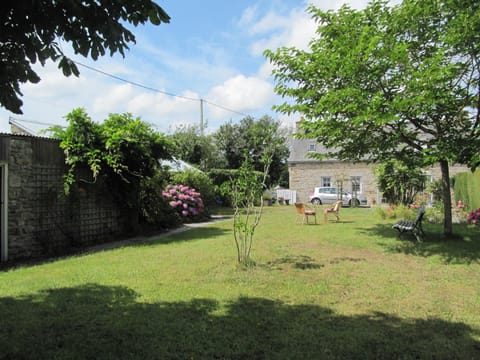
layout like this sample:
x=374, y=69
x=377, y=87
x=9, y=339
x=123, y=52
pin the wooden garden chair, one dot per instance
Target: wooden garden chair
x=335, y=210
x=303, y=212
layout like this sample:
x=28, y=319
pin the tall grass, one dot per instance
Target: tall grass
x=329, y=291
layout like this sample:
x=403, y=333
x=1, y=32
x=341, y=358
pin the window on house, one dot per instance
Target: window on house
x=312, y=147
x=326, y=181
x=356, y=184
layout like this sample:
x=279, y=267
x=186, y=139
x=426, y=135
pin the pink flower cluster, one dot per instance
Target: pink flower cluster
x=187, y=201
x=474, y=217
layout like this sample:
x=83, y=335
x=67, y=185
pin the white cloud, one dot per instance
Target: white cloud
x=52, y=83
x=248, y=16
x=295, y=28
x=270, y=22
x=112, y=99
x=163, y=111
x=240, y=93
x=335, y=4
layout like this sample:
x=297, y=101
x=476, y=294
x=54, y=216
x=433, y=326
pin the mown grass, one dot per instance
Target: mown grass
x=348, y=290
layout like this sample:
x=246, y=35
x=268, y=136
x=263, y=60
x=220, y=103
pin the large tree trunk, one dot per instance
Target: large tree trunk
x=447, y=199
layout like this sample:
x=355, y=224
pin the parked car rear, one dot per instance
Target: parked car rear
x=329, y=195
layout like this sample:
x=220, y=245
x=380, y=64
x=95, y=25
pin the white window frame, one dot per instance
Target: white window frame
x=326, y=181
x=359, y=179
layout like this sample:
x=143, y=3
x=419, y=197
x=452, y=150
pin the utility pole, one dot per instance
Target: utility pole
x=201, y=117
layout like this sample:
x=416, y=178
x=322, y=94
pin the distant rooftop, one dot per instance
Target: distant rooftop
x=19, y=129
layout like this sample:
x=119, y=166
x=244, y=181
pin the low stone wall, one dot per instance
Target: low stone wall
x=42, y=220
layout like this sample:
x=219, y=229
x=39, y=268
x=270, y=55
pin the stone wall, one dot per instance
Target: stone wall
x=42, y=220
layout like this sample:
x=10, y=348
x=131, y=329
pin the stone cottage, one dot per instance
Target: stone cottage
x=306, y=173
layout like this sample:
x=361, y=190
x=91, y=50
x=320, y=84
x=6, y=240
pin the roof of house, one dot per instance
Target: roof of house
x=178, y=165
x=302, y=149
x=19, y=129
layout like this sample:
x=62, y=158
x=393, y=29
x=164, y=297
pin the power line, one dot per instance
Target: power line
x=157, y=90
x=144, y=87
x=225, y=108
x=134, y=83
x=32, y=121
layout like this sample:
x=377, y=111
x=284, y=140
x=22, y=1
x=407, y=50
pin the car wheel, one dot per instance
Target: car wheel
x=316, y=201
x=354, y=202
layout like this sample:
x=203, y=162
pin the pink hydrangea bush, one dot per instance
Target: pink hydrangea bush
x=473, y=217
x=185, y=200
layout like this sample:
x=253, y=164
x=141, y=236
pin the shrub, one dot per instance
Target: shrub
x=199, y=181
x=186, y=201
x=396, y=212
x=435, y=214
x=154, y=208
x=221, y=176
x=473, y=217
x=381, y=212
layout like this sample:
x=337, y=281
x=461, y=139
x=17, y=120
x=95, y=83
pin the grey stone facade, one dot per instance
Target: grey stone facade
x=305, y=173
x=42, y=220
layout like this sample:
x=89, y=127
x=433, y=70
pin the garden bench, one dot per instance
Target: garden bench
x=414, y=227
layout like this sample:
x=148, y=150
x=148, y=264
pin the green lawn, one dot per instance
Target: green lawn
x=348, y=290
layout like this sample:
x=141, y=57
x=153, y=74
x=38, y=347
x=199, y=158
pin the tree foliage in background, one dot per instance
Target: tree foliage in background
x=255, y=139
x=196, y=149
x=123, y=149
x=33, y=31
x=390, y=82
x=399, y=182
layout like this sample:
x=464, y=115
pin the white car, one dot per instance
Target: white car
x=329, y=195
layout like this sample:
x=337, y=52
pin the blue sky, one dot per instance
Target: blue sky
x=211, y=50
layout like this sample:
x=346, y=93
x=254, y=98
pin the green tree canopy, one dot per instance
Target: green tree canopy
x=390, y=82
x=122, y=147
x=31, y=32
x=254, y=139
x=197, y=149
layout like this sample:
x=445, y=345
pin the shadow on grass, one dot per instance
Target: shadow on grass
x=302, y=262
x=101, y=322
x=462, y=248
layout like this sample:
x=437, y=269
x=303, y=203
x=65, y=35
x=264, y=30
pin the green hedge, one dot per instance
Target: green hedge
x=467, y=186
x=219, y=176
